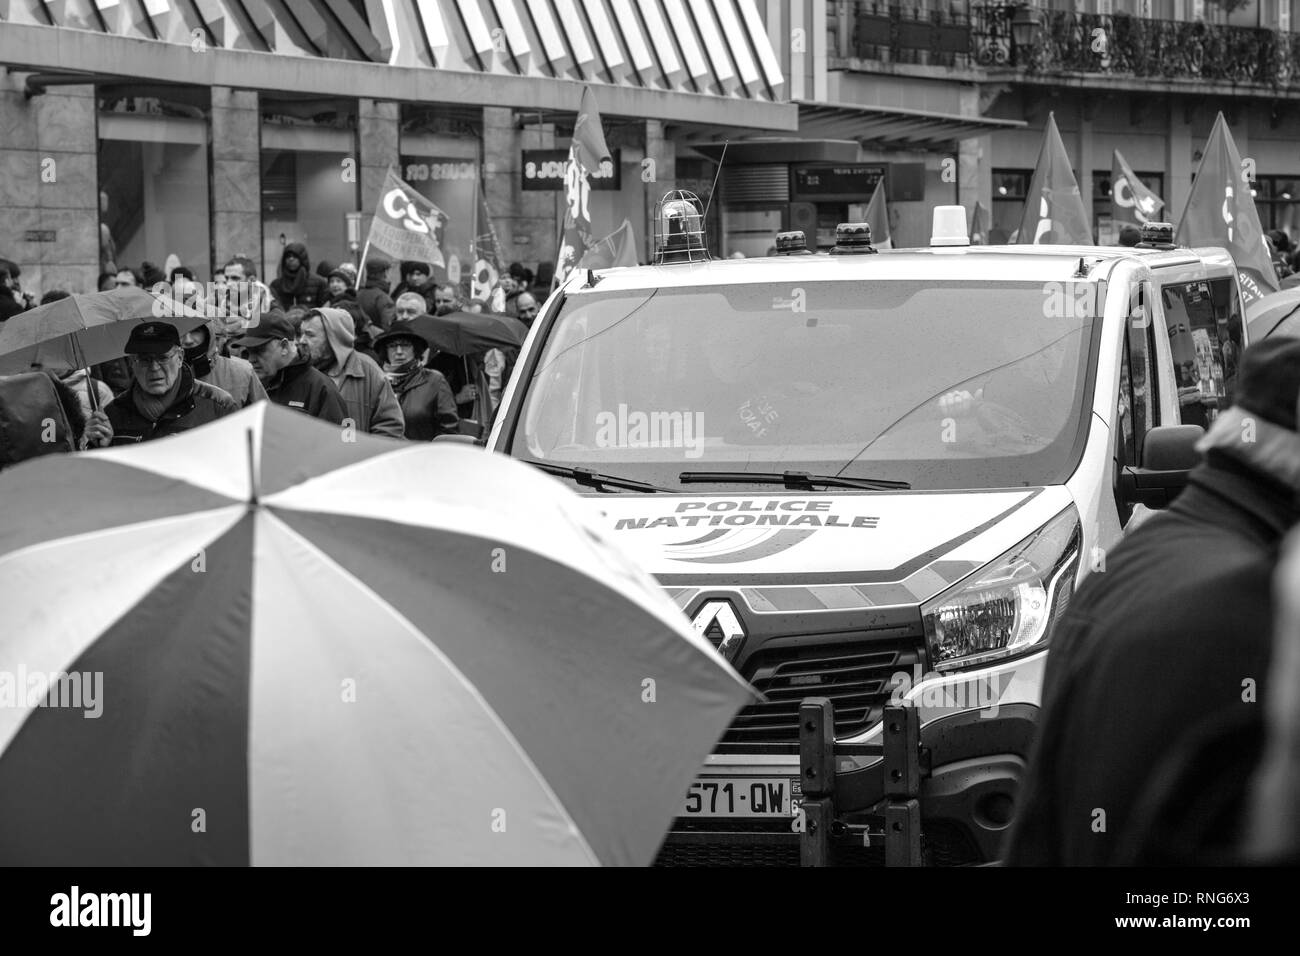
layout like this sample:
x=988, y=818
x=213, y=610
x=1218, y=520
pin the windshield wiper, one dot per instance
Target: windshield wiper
x=795, y=480
x=591, y=479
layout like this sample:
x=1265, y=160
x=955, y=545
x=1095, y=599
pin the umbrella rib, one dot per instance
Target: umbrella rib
x=471, y=690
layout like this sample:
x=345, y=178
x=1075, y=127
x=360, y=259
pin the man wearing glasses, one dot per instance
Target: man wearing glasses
x=164, y=397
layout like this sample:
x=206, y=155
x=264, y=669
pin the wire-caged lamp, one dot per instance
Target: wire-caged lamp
x=679, y=229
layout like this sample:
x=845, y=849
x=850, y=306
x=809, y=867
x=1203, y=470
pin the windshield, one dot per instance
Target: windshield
x=939, y=384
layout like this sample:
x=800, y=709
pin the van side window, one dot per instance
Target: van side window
x=1138, y=409
x=1203, y=320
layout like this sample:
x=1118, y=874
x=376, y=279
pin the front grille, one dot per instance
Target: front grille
x=855, y=677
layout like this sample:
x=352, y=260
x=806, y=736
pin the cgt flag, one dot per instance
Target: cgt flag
x=1054, y=211
x=406, y=225
x=1221, y=212
x=616, y=249
x=585, y=154
x=878, y=218
x=1130, y=200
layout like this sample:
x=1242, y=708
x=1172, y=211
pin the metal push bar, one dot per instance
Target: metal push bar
x=905, y=763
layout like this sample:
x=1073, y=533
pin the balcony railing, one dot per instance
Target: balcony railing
x=1123, y=45
x=1070, y=42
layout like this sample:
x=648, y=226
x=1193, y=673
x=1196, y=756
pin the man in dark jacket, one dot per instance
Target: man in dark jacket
x=1172, y=637
x=377, y=307
x=427, y=404
x=165, y=399
x=286, y=373
x=296, y=284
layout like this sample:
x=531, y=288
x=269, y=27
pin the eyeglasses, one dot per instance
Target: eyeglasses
x=151, y=361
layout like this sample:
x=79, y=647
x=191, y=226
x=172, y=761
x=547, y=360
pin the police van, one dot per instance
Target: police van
x=875, y=477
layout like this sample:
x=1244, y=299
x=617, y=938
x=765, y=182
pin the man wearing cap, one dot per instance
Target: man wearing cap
x=164, y=398
x=1169, y=639
x=285, y=372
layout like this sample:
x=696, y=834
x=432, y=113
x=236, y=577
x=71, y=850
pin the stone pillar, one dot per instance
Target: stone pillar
x=236, y=176
x=378, y=135
x=664, y=154
x=1178, y=162
x=528, y=223
x=974, y=166
x=49, y=186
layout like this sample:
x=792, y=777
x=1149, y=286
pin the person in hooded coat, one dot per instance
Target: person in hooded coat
x=233, y=375
x=296, y=284
x=427, y=403
x=368, y=397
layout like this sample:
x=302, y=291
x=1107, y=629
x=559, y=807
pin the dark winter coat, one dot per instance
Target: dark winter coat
x=1154, y=649
x=196, y=403
x=427, y=405
x=299, y=385
x=29, y=403
x=376, y=304
x=303, y=287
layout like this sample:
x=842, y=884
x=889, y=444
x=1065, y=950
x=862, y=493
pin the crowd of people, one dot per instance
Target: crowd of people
x=325, y=341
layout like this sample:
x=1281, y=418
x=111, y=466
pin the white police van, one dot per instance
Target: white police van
x=875, y=478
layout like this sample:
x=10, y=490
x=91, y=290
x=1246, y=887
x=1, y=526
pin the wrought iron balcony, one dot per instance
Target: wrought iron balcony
x=980, y=35
x=1124, y=45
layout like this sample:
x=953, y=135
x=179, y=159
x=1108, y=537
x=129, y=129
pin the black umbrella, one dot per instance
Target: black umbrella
x=469, y=333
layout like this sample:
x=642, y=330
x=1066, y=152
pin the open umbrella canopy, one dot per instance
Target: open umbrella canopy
x=260, y=642
x=84, y=329
x=469, y=333
x=1265, y=315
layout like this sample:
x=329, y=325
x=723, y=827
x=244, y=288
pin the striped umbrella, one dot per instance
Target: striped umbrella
x=260, y=642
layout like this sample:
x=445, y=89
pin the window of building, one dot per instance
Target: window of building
x=153, y=185
x=1010, y=187
x=309, y=179
x=1278, y=200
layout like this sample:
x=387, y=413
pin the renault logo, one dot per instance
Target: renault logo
x=724, y=615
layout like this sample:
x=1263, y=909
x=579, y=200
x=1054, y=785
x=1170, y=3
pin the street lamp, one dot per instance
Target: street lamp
x=1026, y=26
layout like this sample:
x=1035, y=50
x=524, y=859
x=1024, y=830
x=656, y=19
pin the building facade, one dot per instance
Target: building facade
x=134, y=130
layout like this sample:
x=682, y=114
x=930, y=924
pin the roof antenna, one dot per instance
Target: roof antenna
x=714, y=188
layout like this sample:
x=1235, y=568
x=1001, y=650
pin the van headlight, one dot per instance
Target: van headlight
x=1011, y=604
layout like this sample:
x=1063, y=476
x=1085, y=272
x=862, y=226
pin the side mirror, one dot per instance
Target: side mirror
x=1168, y=455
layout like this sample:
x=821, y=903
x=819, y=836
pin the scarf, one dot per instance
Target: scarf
x=153, y=406
x=197, y=358
x=399, y=375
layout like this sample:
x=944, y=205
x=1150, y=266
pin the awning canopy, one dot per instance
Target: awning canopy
x=894, y=126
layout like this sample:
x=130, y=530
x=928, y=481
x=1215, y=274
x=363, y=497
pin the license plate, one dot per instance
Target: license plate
x=740, y=797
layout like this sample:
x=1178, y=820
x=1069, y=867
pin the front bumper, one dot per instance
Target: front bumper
x=977, y=758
